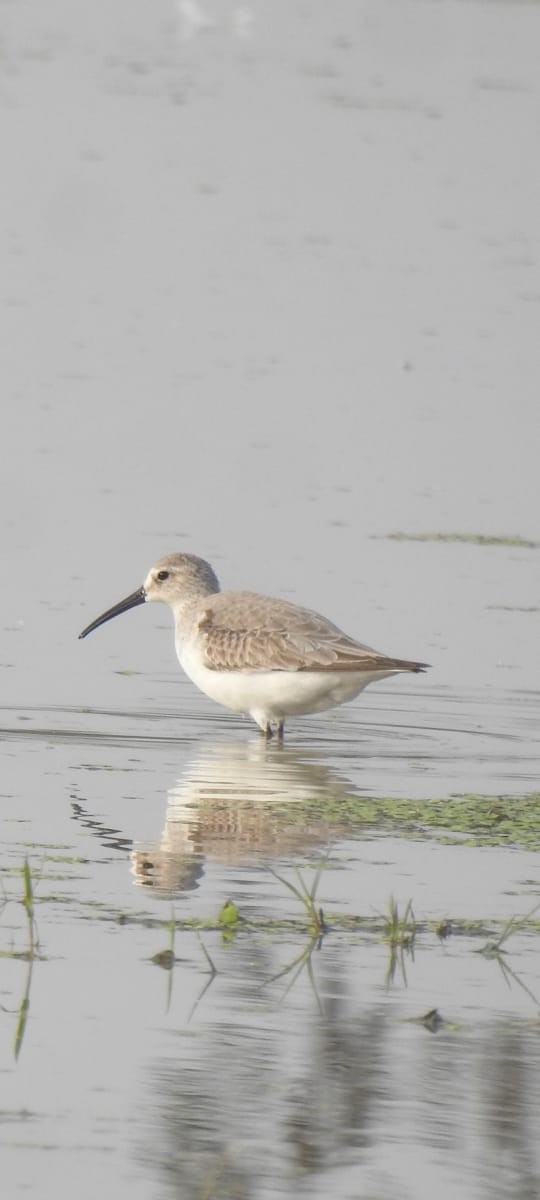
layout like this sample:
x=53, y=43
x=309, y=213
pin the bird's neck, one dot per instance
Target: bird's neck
x=185, y=608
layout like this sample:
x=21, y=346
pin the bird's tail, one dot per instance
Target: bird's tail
x=402, y=664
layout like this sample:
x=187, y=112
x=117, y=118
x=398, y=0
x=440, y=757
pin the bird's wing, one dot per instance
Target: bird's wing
x=241, y=631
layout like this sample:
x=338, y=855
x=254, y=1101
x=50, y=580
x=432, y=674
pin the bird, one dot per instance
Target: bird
x=263, y=657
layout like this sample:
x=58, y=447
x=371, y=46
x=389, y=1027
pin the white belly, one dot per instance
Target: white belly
x=274, y=695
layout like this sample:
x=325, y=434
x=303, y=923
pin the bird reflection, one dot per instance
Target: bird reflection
x=237, y=803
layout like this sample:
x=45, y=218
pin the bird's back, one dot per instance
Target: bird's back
x=248, y=631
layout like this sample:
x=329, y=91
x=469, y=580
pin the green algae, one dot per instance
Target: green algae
x=472, y=539
x=469, y=819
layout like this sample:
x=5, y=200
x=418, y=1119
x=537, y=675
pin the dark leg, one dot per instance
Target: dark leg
x=276, y=729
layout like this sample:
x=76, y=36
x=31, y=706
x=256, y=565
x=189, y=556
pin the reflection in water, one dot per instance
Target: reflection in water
x=344, y=1104
x=247, y=1108
x=509, y=1127
x=236, y=803
x=108, y=837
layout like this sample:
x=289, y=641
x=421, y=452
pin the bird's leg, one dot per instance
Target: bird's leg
x=269, y=730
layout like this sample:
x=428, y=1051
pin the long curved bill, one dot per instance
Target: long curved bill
x=132, y=601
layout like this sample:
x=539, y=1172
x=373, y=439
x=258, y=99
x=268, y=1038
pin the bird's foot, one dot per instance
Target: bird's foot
x=273, y=729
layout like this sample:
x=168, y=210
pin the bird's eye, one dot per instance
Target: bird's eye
x=162, y=575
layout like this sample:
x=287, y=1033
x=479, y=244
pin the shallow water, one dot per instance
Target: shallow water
x=154, y=1077
x=270, y=294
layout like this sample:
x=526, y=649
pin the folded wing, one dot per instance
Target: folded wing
x=253, y=633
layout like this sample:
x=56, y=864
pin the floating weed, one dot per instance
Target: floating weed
x=473, y=539
x=514, y=608
x=469, y=818
x=396, y=927
x=229, y=920
x=164, y=959
x=431, y=1020
x=443, y=929
x=376, y=925
x=66, y=860
x=228, y=914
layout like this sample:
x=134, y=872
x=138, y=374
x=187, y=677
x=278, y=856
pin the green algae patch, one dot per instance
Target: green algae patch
x=468, y=819
x=489, y=820
x=472, y=539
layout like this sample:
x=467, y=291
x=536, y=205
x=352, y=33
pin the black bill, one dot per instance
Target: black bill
x=132, y=601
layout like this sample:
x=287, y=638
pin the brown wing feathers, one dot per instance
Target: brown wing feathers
x=288, y=639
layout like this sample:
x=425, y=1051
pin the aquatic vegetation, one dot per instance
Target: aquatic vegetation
x=28, y=954
x=495, y=947
x=399, y=931
x=229, y=915
x=473, y=539
x=432, y=1020
x=468, y=819
x=167, y=958
x=306, y=896
x=300, y=963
